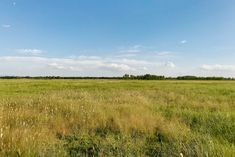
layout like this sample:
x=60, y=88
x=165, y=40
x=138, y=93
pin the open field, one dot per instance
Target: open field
x=117, y=118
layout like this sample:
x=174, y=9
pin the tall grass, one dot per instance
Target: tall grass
x=117, y=118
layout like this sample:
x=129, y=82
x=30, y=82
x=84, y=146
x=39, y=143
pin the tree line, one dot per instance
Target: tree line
x=124, y=77
x=159, y=77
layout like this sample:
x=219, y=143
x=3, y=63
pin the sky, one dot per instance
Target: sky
x=117, y=37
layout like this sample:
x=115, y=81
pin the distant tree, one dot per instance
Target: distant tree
x=126, y=76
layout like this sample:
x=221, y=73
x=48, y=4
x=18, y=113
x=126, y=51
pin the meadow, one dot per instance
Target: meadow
x=117, y=118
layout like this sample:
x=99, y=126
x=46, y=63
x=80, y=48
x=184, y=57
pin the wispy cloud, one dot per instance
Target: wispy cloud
x=126, y=55
x=30, y=51
x=132, y=49
x=218, y=67
x=184, y=41
x=164, y=53
x=6, y=26
x=138, y=50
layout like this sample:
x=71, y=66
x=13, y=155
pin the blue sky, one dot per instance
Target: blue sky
x=111, y=38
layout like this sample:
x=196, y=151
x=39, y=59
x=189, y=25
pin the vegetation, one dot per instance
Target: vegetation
x=144, y=77
x=125, y=77
x=117, y=118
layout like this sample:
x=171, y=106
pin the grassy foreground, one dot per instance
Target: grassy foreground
x=117, y=118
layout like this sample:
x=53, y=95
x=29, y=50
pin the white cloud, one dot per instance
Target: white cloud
x=126, y=55
x=139, y=50
x=119, y=67
x=144, y=68
x=22, y=59
x=56, y=66
x=85, y=57
x=6, y=26
x=79, y=66
x=170, y=65
x=132, y=49
x=30, y=51
x=164, y=53
x=184, y=41
x=132, y=61
x=218, y=67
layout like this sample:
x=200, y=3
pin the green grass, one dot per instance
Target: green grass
x=117, y=118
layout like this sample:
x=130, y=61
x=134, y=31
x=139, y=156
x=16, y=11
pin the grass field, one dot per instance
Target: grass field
x=117, y=118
